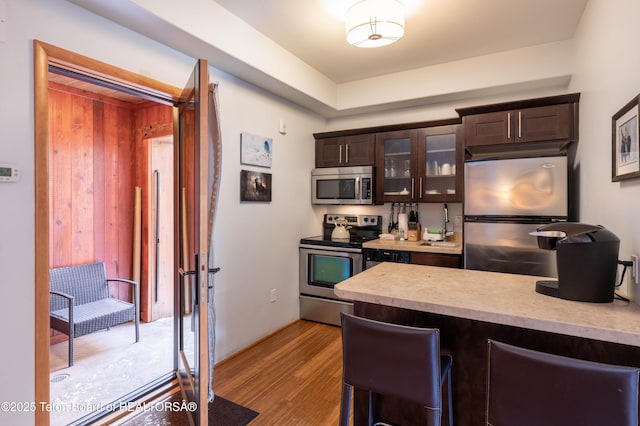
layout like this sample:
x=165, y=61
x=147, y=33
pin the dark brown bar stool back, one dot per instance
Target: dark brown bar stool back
x=394, y=360
x=527, y=387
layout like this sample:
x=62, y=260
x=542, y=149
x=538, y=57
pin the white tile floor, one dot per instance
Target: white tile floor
x=108, y=364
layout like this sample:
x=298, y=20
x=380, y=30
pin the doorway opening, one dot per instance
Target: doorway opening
x=106, y=207
x=104, y=193
x=160, y=220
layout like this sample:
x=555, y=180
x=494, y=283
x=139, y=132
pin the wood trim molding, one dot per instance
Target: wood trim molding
x=41, y=167
x=44, y=56
x=571, y=98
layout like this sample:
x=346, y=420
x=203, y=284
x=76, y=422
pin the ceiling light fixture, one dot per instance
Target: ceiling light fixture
x=374, y=23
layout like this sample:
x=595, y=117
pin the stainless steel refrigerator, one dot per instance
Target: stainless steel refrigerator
x=506, y=199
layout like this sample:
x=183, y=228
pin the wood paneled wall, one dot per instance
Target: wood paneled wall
x=91, y=183
x=99, y=153
x=91, y=167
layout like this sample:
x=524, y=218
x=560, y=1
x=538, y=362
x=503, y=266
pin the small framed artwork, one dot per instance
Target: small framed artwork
x=255, y=150
x=255, y=186
x=625, y=149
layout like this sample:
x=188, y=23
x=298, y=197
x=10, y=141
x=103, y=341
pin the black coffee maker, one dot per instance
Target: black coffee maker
x=587, y=261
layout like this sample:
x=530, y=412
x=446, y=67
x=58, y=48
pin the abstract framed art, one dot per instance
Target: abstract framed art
x=256, y=150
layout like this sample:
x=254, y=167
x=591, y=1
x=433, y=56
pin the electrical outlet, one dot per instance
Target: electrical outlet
x=634, y=268
x=458, y=220
x=274, y=295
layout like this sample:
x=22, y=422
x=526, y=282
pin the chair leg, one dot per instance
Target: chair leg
x=345, y=404
x=71, y=348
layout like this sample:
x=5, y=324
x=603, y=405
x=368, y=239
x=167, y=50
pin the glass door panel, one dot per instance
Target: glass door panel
x=191, y=259
x=440, y=164
x=397, y=166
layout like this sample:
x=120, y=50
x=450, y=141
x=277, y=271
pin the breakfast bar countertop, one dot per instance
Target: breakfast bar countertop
x=493, y=297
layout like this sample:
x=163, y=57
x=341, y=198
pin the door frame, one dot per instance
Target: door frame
x=44, y=56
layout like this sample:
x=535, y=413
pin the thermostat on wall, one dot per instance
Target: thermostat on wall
x=9, y=173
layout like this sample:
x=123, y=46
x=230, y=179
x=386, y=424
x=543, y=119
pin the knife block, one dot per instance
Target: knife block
x=413, y=233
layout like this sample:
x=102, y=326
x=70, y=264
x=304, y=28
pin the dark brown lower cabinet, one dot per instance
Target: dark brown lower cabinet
x=436, y=259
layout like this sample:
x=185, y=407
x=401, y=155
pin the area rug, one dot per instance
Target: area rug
x=222, y=412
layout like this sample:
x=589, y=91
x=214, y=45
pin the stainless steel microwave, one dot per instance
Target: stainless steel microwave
x=342, y=185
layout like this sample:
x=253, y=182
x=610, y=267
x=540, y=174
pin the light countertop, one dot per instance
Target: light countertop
x=493, y=297
x=453, y=245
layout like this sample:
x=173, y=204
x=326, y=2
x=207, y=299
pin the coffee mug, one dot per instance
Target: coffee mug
x=446, y=169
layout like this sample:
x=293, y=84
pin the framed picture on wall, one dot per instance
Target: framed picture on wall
x=255, y=150
x=625, y=147
x=255, y=186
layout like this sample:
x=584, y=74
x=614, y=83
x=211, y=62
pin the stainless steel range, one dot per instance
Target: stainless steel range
x=324, y=262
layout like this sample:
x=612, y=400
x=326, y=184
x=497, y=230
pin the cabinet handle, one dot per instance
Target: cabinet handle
x=519, y=124
x=508, y=125
x=346, y=155
x=340, y=157
x=413, y=185
x=420, y=193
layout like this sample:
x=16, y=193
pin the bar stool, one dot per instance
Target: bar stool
x=527, y=387
x=394, y=360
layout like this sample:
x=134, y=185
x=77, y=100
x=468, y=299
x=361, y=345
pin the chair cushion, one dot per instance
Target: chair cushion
x=97, y=315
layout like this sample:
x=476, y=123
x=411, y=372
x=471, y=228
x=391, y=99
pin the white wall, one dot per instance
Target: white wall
x=256, y=244
x=607, y=73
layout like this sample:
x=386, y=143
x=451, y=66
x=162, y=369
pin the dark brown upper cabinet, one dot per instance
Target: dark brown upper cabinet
x=525, y=125
x=420, y=165
x=552, y=119
x=352, y=150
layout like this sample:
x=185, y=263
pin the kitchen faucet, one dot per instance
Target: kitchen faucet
x=445, y=220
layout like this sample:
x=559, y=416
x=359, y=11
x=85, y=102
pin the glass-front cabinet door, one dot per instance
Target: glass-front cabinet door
x=396, y=166
x=440, y=164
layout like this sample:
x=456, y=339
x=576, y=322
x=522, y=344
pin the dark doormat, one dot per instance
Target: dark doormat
x=222, y=412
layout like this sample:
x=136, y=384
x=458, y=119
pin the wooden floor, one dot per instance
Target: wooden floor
x=292, y=377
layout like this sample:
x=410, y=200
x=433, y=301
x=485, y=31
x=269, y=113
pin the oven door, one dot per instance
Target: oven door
x=321, y=268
